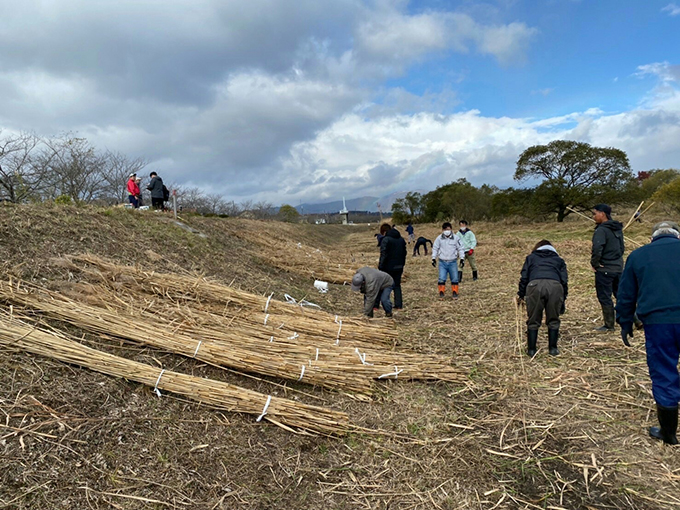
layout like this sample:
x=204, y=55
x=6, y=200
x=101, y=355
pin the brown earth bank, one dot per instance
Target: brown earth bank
x=562, y=432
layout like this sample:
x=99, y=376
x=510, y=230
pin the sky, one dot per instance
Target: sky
x=311, y=100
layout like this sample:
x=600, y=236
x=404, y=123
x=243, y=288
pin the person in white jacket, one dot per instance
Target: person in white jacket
x=449, y=249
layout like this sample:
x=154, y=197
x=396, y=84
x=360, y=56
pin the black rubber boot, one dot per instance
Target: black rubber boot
x=668, y=419
x=474, y=276
x=460, y=276
x=532, y=339
x=553, y=336
x=608, y=313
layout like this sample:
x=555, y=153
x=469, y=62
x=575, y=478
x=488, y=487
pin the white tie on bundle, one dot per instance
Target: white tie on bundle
x=395, y=373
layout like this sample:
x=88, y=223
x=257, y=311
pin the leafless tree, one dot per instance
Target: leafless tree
x=263, y=209
x=21, y=173
x=117, y=169
x=75, y=169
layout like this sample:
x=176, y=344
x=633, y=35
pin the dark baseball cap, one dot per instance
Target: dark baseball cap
x=603, y=208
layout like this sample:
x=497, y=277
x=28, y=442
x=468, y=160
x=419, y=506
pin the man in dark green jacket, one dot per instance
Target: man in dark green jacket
x=650, y=286
x=607, y=261
x=392, y=261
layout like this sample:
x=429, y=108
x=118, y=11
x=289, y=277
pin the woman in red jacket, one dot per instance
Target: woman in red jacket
x=133, y=190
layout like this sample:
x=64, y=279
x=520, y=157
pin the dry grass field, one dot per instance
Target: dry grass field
x=549, y=432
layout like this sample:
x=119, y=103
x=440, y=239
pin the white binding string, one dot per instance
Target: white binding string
x=302, y=373
x=271, y=338
x=266, y=307
x=336, y=319
x=295, y=335
x=362, y=357
x=317, y=354
x=265, y=319
x=266, y=406
x=395, y=373
x=198, y=347
x=337, y=338
x=155, y=388
x=302, y=302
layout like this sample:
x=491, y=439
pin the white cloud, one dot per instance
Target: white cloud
x=672, y=9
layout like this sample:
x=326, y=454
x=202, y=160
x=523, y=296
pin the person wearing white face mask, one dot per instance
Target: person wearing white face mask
x=449, y=249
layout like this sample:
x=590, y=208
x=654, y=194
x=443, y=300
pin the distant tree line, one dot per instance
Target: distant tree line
x=565, y=175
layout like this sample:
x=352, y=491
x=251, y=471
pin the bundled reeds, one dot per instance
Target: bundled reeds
x=17, y=334
x=249, y=355
x=218, y=298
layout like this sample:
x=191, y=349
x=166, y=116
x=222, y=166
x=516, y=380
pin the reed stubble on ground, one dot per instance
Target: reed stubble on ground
x=565, y=432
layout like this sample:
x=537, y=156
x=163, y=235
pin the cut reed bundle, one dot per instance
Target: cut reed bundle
x=218, y=298
x=249, y=355
x=17, y=334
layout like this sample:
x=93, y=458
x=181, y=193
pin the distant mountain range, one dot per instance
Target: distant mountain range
x=354, y=204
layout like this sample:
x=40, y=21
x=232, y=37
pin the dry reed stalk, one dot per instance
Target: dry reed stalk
x=249, y=355
x=580, y=214
x=640, y=216
x=16, y=334
x=178, y=287
x=298, y=258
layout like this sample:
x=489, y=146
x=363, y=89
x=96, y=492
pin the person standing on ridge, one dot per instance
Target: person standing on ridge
x=156, y=188
x=545, y=284
x=469, y=241
x=448, y=248
x=134, y=194
x=393, y=260
x=649, y=286
x=606, y=261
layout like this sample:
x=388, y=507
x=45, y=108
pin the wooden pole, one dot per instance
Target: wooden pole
x=632, y=218
x=580, y=214
x=643, y=212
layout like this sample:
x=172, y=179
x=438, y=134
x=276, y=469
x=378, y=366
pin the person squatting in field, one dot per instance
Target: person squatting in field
x=544, y=284
x=606, y=261
x=373, y=283
x=421, y=241
x=650, y=286
x=392, y=261
x=449, y=249
x=469, y=241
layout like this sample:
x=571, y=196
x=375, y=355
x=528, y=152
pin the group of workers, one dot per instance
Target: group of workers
x=646, y=289
x=647, y=294
x=449, y=248
x=156, y=188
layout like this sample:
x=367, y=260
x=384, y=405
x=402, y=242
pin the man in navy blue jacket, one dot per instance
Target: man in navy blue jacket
x=650, y=285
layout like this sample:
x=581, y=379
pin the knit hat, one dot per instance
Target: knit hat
x=357, y=281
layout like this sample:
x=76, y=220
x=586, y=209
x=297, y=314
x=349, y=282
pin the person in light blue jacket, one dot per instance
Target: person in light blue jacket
x=469, y=241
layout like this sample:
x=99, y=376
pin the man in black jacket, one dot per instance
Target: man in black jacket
x=607, y=261
x=393, y=260
x=156, y=189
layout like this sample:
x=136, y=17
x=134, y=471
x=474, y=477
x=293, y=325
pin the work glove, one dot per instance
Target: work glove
x=470, y=252
x=626, y=331
x=434, y=263
x=462, y=263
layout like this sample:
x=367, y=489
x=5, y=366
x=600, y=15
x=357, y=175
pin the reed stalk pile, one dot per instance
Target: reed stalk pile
x=20, y=335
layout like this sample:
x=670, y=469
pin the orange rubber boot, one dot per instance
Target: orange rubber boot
x=442, y=290
x=454, y=289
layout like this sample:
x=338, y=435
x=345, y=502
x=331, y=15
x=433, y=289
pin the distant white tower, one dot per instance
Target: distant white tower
x=344, y=213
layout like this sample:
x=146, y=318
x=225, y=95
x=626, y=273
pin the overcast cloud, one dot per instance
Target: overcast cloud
x=289, y=101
